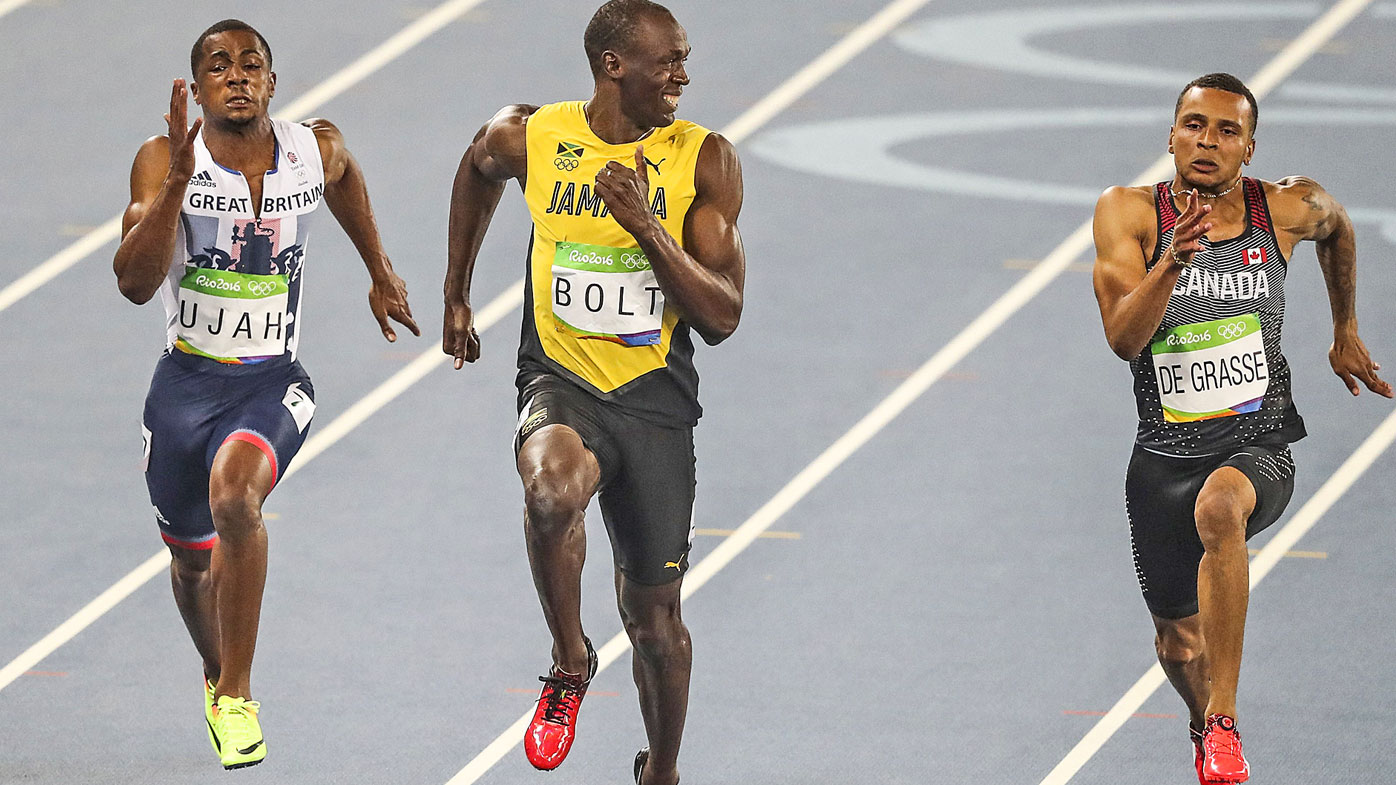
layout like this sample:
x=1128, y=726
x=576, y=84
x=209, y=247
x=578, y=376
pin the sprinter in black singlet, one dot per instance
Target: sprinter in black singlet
x=1189, y=275
x=634, y=243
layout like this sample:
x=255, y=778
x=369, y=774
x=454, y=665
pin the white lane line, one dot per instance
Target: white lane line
x=1337, y=484
x=298, y=109
x=1277, y=70
x=355, y=415
x=79, y=621
x=79, y=250
x=822, y=67
x=386, y=52
x=7, y=6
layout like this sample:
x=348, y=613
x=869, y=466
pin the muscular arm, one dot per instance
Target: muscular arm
x=704, y=277
x=1132, y=301
x=159, y=177
x=497, y=155
x=1308, y=212
x=149, y=225
x=346, y=193
x=1305, y=211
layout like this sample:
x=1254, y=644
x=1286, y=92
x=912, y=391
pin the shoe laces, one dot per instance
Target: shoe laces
x=1221, y=741
x=561, y=697
x=236, y=716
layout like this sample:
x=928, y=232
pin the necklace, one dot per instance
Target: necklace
x=1176, y=195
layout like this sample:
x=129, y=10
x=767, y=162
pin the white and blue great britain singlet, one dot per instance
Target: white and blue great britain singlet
x=1213, y=377
x=233, y=293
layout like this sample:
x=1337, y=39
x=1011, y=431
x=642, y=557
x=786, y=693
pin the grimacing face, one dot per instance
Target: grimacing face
x=234, y=82
x=1211, y=137
x=652, y=73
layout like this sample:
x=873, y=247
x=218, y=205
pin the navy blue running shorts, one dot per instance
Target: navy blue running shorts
x=193, y=409
x=1160, y=497
x=648, y=475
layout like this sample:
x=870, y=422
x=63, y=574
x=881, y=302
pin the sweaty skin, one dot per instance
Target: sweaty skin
x=636, y=92
x=219, y=595
x=1211, y=138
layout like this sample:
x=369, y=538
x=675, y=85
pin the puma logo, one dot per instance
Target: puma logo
x=648, y=162
x=673, y=564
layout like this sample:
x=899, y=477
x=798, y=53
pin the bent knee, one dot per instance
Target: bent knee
x=1226, y=501
x=1177, y=645
x=660, y=643
x=658, y=636
x=1220, y=520
x=237, y=511
x=189, y=564
x=554, y=495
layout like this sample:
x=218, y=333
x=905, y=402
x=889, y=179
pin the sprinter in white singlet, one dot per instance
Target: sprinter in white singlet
x=219, y=225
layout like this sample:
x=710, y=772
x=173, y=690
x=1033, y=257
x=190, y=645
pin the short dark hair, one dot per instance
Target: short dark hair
x=196, y=54
x=1225, y=82
x=612, y=26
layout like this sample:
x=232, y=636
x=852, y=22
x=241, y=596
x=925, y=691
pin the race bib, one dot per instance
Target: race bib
x=607, y=293
x=232, y=316
x=1211, y=369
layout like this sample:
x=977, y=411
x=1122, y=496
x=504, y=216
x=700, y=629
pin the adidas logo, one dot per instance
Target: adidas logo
x=202, y=178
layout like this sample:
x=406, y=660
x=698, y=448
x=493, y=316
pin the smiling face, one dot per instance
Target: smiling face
x=233, y=82
x=1211, y=138
x=650, y=72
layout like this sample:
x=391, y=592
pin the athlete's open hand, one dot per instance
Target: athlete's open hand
x=626, y=192
x=388, y=298
x=1349, y=359
x=1191, y=226
x=181, y=135
x=458, y=336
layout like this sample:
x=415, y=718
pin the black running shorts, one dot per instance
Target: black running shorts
x=1160, y=496
x=647, y=475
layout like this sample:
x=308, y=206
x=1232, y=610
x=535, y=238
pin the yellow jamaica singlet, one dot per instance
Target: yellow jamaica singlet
x=594, y=312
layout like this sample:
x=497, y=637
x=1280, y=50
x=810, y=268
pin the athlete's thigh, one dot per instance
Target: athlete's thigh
x=1271, y=472
x=177, y=424
x=1160, y=496
x=273, y=416
x=648, y=504
x=559, y=437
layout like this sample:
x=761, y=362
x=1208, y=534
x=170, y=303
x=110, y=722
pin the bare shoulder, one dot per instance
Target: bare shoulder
x=718, y=157
x=330, y=140
x=1293, y=184
x=155, y=150
x=506, y=133
x=151, y=164
x=1297, y=202
x=1293, y=190
x=324, y=129
x=1126, y=207
x=718, y=170
x=328, y=137
x=1126, y=199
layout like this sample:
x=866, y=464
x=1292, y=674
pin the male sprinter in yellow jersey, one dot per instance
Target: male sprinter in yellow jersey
x=1189, y=275
x=218, y=226
x=634, y=242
